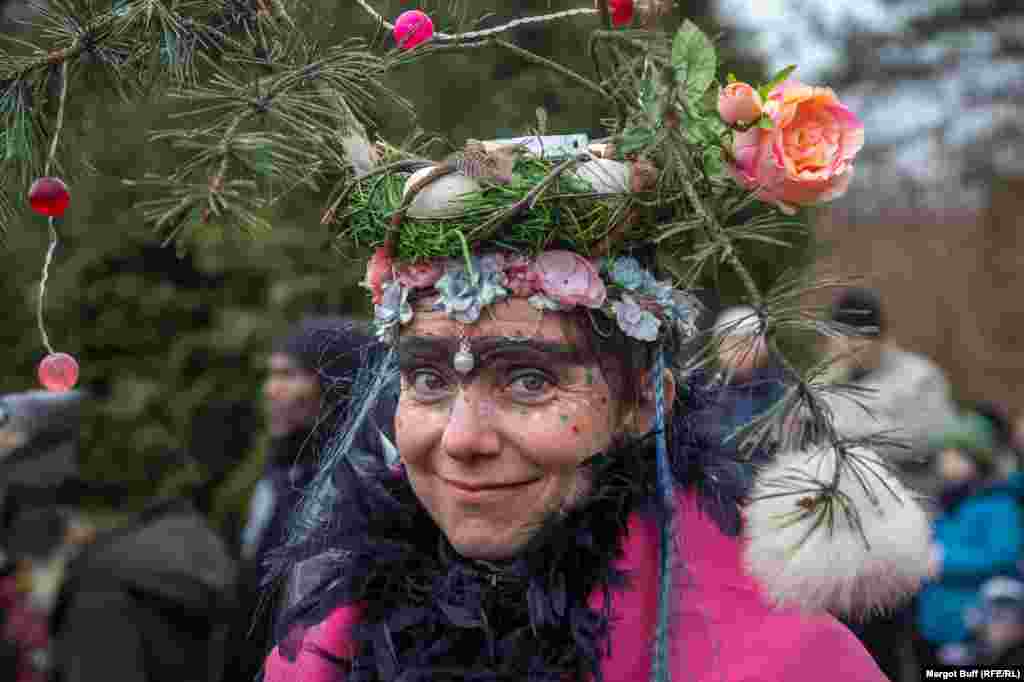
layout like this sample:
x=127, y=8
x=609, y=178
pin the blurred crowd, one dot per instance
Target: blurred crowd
x=177, y=591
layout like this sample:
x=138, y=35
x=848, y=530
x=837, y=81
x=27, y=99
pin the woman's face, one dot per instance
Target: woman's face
x=956, y=466
x=491, y=454
x=292, y=395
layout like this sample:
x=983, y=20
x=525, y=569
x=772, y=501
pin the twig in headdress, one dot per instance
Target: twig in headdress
x=404, y=166
x=493, y=224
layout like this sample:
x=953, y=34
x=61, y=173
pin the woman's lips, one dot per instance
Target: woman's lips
x=478, y=489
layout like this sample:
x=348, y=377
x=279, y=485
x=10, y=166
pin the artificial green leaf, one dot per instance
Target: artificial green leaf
x=731, y=78
x=766, y=122
x=649, y=97
x=777, y=79
x=635, y=139
x=694, y=59
x=713, y=164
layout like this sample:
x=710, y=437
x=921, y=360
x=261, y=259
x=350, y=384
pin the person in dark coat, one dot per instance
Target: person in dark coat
x=145, y=601
x=149, y=601
x=310, y=371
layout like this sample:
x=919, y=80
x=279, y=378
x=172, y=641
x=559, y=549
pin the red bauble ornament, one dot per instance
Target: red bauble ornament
x=58, y=372
x=622, y=12
x=49, y=197
x=412, y=28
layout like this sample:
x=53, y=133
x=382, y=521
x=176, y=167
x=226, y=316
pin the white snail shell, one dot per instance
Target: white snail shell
x=442, y=198
x=605, y=175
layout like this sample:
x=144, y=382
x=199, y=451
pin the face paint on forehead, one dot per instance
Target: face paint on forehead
x=486, y=350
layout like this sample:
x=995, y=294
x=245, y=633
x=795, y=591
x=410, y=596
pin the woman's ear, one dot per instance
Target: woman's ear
x=642, y=419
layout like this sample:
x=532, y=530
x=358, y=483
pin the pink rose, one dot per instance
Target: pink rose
x=739, y=103
x=521, y=278
x=378, y=272
x=807, y=157
x=421, y=275
x=570, y=279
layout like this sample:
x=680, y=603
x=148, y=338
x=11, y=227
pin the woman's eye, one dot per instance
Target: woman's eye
x=530, y=383
x=426, y=381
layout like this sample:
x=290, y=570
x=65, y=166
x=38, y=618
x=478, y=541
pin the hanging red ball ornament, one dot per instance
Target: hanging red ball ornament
x=49, y=197
x=412, y=28
x=58, y=372
x=622, y=12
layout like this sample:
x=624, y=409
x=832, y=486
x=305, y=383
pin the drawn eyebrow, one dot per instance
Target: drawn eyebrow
x=443, y=347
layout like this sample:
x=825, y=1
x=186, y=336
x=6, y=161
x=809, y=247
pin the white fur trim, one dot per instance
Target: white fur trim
x=442, y=198
x=834, y=569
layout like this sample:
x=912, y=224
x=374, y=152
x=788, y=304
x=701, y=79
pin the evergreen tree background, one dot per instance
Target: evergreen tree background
x=172, y=344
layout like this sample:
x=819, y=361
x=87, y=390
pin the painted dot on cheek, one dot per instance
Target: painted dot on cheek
x=564, y=418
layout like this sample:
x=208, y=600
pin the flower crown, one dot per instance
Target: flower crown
x=555, y=280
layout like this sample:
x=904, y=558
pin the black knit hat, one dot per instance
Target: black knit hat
x=861, y=310
x=332, y=347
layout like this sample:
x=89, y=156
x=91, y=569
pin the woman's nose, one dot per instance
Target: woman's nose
x=273, y=388
x=471, y=428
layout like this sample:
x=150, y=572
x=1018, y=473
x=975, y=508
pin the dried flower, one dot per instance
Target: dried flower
x=378, y=271
x=521, y=278
x=422, y=275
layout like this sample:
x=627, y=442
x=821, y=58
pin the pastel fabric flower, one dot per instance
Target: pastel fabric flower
x=421, y=275
x=628, y=274
x=634, y=321
x=806, y=158
x=739, y=103
x=378, y=272
x=463, y=295
x=459, y=295
x=570, y=279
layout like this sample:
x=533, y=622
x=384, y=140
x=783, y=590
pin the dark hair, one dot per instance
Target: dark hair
x=999, y=418
x=861, y=311
x=331, y=347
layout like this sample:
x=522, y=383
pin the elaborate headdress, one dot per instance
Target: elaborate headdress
x=693, y=173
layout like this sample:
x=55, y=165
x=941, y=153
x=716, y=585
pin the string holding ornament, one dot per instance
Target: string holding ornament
x=49, y=196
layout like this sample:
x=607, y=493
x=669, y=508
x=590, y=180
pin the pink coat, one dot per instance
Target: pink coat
x=723, y=629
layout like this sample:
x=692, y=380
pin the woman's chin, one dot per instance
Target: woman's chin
x=486, y=546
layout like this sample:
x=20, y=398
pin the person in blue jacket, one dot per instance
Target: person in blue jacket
x=978, y=534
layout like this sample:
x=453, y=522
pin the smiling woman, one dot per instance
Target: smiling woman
x=556, y=514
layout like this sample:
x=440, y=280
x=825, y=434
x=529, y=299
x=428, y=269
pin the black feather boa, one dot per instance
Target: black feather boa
x=431, y=615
